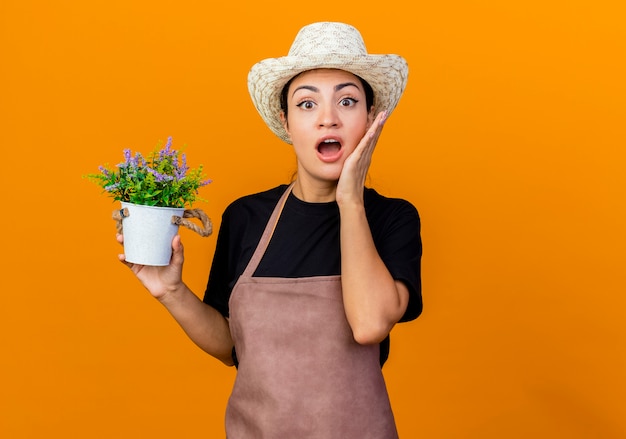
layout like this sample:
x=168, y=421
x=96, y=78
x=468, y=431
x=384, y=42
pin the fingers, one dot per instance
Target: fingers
x=357, y=164
x=377, y=126
x=122, y=258
x=380, y=120
x=373, y=133
x=378, y=123
x=177, y=250
x=369, y=141
x=177, y=243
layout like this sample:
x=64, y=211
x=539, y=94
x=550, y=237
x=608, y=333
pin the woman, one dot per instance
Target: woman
x=309, y=278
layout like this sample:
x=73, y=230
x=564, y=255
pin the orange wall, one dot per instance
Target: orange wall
x=510, y=140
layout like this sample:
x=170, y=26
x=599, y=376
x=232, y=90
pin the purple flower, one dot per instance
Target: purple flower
x=112, y=187
x=127, y=160
x=181, y=171
x=104, y=171
x=171, y=182
x=158, y=176
x=137, y=161
x=166, y=151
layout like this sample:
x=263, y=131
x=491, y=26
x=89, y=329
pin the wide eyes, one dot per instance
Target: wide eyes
x=306, y=105
x=348, y=102
x=344, y=102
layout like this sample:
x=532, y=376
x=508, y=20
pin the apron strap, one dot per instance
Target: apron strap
x=267, y=235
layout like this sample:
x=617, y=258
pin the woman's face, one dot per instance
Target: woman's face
x=327, y=117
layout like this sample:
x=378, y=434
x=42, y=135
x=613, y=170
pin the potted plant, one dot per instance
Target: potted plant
x=154, y=192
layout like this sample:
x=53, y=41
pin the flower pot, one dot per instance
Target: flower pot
x=148, y=233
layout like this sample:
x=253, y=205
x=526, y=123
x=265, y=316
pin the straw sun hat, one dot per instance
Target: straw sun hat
x=325, y=45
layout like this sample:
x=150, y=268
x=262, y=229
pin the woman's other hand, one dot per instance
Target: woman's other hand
x=356, y=166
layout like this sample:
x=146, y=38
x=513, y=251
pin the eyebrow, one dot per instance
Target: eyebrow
x=316, y=90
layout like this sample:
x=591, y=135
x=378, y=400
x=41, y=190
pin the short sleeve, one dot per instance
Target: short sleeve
x=399, y=244
x=217, y=292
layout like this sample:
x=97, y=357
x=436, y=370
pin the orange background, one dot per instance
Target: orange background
x=510, y=140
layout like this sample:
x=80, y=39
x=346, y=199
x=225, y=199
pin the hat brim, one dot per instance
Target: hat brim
x=386, y=74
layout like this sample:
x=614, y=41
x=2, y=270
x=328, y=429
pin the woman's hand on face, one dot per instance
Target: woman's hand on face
x=356, y=166
x=163, y=279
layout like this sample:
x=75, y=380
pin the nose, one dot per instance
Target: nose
x=328, y=116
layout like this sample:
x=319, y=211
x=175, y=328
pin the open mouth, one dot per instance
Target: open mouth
x=329, y=149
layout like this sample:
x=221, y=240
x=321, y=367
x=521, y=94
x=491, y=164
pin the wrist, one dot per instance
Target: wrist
x=350, y=199
x=351, y=206
x=173, y=293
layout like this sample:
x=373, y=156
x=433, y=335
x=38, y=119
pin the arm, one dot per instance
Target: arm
x=373, y=300
x=204, y=325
